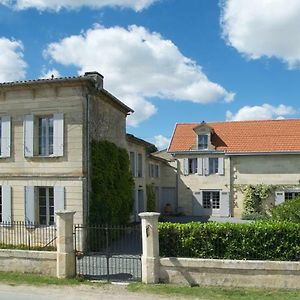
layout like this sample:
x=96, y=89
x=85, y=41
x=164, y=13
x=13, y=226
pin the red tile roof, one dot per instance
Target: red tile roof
x=242, y=136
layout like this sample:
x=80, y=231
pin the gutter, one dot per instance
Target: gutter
x=235, y=153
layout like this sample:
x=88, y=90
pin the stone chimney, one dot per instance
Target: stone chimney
x=98, y=78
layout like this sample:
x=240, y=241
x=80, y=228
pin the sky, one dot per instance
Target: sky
x=172, y=61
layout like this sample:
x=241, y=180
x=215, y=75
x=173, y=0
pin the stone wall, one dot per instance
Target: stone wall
x=230, y=273
x=38, y=262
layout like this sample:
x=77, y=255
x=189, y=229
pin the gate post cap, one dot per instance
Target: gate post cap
x=147, y=215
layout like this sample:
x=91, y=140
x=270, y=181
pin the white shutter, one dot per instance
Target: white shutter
x=135, y=164
x=225, y=204
x=28, y=136
x=279, y=197
x=6, y=204
x=29, y=205
x=197, y=204
x=58, y=134
x=221, y=165
x=5, y=136
x=185, y=166
x=59, y=198
x=206, y=166
x=200, y=166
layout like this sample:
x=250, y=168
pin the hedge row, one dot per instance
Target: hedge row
x=259, y=240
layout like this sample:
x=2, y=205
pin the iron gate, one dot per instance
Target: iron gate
x=108, y=252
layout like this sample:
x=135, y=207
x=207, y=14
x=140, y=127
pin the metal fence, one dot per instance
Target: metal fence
x=27, y=236
x=108, y=251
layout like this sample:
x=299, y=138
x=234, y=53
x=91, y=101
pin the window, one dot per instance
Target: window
x=45, y=135
x=132, y=163
x=156, y=171
x=140, y=165
x=211, y=199
x=213, y=165
x=192, y=165
x=46, y=205
x=153, y=171
x=290, y=195
x=202, y=141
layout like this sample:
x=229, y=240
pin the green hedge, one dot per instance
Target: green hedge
x=287, y=211
x=257, y=240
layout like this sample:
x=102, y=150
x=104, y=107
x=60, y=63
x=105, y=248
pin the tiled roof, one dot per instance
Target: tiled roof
x=242, y=136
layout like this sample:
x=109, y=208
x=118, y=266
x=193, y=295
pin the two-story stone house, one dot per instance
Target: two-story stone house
x=214, y=159
x=46, y=129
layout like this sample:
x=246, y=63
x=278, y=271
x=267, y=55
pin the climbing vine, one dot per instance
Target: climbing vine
x=150, y=197
x=111, y=198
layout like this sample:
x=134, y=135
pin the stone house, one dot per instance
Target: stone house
x=215, y=159
x=46, y=129
x=149, y=169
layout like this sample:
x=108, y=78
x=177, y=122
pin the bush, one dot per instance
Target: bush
x=257, y=240
x=256, y=216
x=112, y=183
x=287, y=211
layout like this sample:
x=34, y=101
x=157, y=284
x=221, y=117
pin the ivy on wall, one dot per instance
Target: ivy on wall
x=150, y=197
x=111, y=199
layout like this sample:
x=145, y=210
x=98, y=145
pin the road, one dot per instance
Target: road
x=83, y=292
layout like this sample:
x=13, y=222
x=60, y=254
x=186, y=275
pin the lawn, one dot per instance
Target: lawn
x=215, y=293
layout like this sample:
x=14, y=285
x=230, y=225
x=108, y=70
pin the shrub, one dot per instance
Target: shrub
x=287, y=211
x=256, y=240
x=112, y=183
x=256, y=216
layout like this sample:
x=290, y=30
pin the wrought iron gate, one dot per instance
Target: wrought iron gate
x=108, y=252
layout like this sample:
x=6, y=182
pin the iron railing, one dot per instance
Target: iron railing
x=27, y=236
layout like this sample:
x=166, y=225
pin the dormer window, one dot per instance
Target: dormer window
x=202, y=141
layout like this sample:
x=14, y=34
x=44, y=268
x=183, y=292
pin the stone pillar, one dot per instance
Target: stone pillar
x=150, y=257
x=65, y=248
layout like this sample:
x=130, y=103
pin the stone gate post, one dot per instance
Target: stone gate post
x=65, y=247
x=150, y=256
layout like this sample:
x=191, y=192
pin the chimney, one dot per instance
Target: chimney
x=98, y=78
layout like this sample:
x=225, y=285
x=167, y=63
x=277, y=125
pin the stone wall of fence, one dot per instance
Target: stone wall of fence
x=38, y=262
x=59, y=262
x=211, y=272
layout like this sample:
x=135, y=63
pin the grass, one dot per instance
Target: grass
x=38, y=280
x=215, y=293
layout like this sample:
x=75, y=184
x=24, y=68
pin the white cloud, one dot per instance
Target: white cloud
x=137, y=65
x=12, y=64
x=161, y=142
x=263, y=112
x=47, y=74
x=259, y=28
x=57, y=5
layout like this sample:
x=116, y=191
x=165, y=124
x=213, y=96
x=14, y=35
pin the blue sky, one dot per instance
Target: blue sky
x=171, y=60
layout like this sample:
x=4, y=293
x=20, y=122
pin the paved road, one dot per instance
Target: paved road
x=111, y=292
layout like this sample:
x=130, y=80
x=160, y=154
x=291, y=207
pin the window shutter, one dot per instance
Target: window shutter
x=185, y=166
x=221, y=165
x=200, y=166
x=6, y=204
x=29, y=205
x=225, y=204
x=59, y=198
x=58, y=134
x=206, y=166
x=279, y=197
x=197, y=204
x=5, y=136
x=28, y=136
x=135, y=164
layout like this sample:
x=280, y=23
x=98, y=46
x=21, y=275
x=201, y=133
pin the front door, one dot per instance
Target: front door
x=206, y=203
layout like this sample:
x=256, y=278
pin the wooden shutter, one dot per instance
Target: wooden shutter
x=28, y=136
x=29, y=205
x=279, y=197
x=5, y=136
x=6, y=204
x=58, y=134
x=199, y=166
x=206, y=166
x=185, y=166
x=59, y=198
x=221, y=165
x=224, y=204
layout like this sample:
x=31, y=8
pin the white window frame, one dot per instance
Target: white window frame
x=48, y=214
x=192, y=165
x=46, y=149
x=215, y=165
x=293, y=192
x=140, y=165
x=202, y=146
x=132, y=163
x=211, y=199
